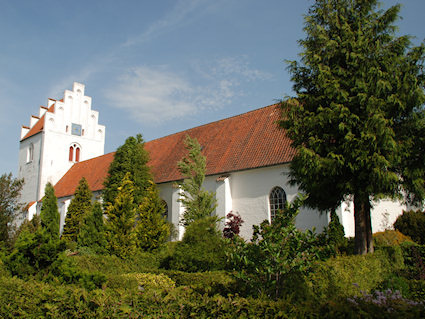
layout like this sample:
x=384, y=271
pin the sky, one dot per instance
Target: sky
x=152, y=67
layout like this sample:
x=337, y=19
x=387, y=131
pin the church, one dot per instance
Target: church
x=248, y=158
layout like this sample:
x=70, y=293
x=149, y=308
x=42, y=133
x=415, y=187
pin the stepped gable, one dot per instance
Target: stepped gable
x=38, y=127
x=246, y=141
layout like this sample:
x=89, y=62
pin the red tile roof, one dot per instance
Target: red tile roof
x=245, y=141
x=38, y=127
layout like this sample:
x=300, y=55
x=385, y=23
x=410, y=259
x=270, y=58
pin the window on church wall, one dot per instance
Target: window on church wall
x=30, y=153
x=74, y=153
x=71, y=153
x=77, y=154
x=277, y=200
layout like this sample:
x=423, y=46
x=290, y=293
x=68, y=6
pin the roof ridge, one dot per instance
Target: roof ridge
x=214, y=122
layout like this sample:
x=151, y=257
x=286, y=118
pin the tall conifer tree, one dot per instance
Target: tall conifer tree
x=120, y=223
x=92, y=233
x=131, y=158
x=197, y=201
x=357, y=122
x=49, y=214
x=79, y=208
x=152, y=229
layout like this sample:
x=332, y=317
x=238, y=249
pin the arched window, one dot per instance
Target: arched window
x=277, y=199
x=74, y=153
x=30, y=153
x=71, y=153
x=77, y=154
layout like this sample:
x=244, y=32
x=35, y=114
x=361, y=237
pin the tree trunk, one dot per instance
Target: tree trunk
x=363, y=224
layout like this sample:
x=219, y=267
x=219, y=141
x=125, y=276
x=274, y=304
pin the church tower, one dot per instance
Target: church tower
x=64, y=132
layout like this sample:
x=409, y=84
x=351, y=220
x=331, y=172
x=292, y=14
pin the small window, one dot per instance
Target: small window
x=71, y=153
x=77, y=154
x=74, y=153
x=277, y=200
x=30, y=153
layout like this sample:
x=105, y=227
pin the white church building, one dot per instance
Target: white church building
x=248, y=159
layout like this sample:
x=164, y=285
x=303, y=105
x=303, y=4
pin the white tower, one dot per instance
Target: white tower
x=65, y=132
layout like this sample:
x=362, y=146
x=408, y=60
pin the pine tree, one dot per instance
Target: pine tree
x=152, y=229
x=92, y=233
x=120, y=223
x=357, y=122
x=49, y=214
x=78, y=209
x=131, y=158
x=197, y=201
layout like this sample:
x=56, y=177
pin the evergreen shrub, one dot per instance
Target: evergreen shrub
x=390, y=238
x=412, y=224
x=202, y=248
x=340, y=276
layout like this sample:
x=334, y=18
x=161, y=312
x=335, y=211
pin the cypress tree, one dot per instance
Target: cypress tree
x=357, y=122
x=78, y=209
x=120, y=223
x=130, y=158
x=49, y=214
x=92, y=233
x=152, y=229
x=197, y=201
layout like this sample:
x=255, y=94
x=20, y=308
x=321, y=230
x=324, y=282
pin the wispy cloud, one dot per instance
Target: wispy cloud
x=156, y=95
x=180, y=14
x=152, y=95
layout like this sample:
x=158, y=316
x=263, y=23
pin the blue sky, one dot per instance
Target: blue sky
x=152, y=67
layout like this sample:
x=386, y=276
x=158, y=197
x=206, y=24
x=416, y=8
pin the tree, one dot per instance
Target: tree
x=38, y=248
x=92, y=233
x=152, y=229
x=197, y=201
x=10, y=191
x=357, y=122
x=120, y=222
x=49, y=214
x=131, y=158
x=79, y=208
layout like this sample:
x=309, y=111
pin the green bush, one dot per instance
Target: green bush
x=412, y=224
x=390, y=238
x=342, y=275
x=202, y=248
x=113, y=265
x=209, y=282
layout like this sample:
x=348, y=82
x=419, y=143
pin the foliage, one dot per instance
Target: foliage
x=277, y=251
x=201, y=249
x=233, y=225
x=412, y=224
x=357, y=122
x=335, y=231
x=151, y=281
x=152, y=229
x=342, y=275
x=390, y=238
x=208, y=282
x=27, y=225
x=79, y=208
x=197, y=201
x=49, y=214
x=92, y=233
x=10, y=191
x=120, y=222
x=132, y=158
x=389, y=302
x=34, y=253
